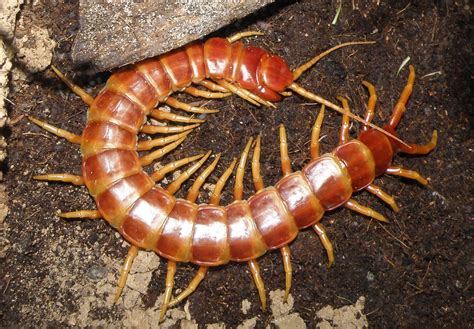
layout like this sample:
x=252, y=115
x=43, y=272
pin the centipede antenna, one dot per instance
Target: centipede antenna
x=298, y=71
x=152, y=129
x=88, y=99
x=127, y=265
x=163, y=115
x=149, y=158
x=66, y=178
x=149, y=144
x=241, y=35
x=161, y=173
x=83, y=214
x=327, y=244
x=69, y=136
x=305, y=93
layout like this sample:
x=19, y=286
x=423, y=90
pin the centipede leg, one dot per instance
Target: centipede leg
x=216, y=194
x=213, y=86
x=421, y=149
x=315, y=133
x=397, y=171
x=152, y=129
x=149, y=144
x=205, y=93
x=344, y=133
x=169, y=283
x=327, y=244
x=163, y=115
x=70, y=137
x=173, y=102
x=255, y=270
x=193, y=192
x=66, y=178
x=176, y=184
x=149, y=158
x=239, y=175
x=245, y=94
x=357, y=207
x=201, y=273
x=161, y=173
x=369, y=114
x=83, y=214
x=88, y=99
x=127, y=265
x=383, y=195
x=399, y=108
x=241, y=35
x=286, y=255
x=256, y=175
x=284, y=158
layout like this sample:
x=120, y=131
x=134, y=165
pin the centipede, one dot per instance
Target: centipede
x=209, y=234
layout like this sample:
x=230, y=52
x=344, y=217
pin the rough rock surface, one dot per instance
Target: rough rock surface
x=117, y=33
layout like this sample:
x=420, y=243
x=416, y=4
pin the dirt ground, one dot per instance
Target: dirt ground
x=415, y=271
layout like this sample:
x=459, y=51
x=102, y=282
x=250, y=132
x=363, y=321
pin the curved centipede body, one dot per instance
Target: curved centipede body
x=151, y=218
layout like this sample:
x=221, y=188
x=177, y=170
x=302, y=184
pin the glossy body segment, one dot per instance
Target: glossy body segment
x=175, y=240
x=380, y=147
x=178, y=68
x=195, y=54
x=217, y=55
x=359, y=162
x=156, y=75
x=329, y=181
x=145, y=220
x=209, y=244
x=245, y=240
x=300, y=201
x=98, y=136
x=273, y=220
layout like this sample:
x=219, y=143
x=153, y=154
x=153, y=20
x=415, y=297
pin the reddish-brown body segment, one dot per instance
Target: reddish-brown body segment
x=179, y=230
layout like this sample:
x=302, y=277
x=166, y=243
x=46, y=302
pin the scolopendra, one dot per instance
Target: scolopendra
x=151, y=218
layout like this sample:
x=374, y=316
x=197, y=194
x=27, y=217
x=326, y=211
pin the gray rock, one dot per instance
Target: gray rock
x=117, y=33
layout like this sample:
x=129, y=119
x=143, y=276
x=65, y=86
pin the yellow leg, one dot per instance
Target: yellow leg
x=344, y=133
x=309, y=95
x=213, y=86
x=206, y=93
x=88, y=99
x=285, y=159
x=256, y=175
x=201, y=273
x=241, y=35
x=163, y=115
x=383, y=195
x=357, y=207
x=239, y=176
x=70, y=137
x=369, y=114
x=151, y=129
x=127, y=265
x=161, y=173
x=169, y=283
x=194, y=190
x=285, y=253
x=396, y=171
x=315, y=133
x=421, y=149
x=149, y=144
x=327, y=244
x=173, y=102
x=315, y=59
x=399, y=108
x=84, y=214
x=176, y=184
x=255, y=270
x=216, y=194
x=149, y=158
x=67, y=178
x=245, y=94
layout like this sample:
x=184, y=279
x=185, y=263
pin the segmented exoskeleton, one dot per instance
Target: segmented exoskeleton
x=151, y=218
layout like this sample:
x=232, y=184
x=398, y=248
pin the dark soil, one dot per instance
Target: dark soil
x=415, y=271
